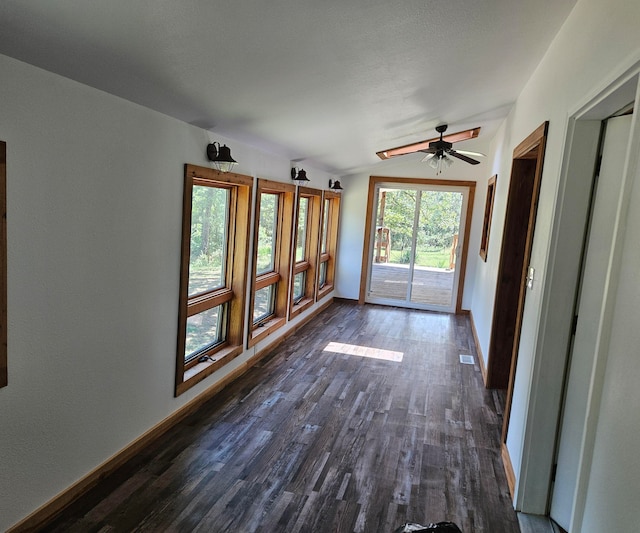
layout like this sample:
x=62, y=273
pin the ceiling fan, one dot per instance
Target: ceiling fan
x=439, y=149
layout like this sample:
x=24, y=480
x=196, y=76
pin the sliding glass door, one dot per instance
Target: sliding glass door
x=416, y=239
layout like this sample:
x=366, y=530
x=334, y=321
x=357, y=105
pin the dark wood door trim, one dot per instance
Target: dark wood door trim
x=528, y=148
x=522, y=204
x=517, y=241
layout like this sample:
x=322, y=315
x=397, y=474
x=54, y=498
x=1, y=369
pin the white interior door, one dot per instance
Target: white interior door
x=593, y=287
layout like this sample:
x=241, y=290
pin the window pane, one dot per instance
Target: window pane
x=303, y=208
x=209, y=223
x=267, y=232
x=204, y=330
x=298, y=286
x=322, y=281
x=264, y=304
x=325, y=227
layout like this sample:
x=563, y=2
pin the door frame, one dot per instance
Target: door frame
x=366, y=249
x=515, y=253
x=601, y=187
x=538, y=409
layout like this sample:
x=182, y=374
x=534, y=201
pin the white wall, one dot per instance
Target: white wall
x=94, y=209
x=483, y=284
x=354, y=208
x=598, y=42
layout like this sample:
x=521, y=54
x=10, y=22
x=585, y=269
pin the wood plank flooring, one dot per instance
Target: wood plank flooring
x=319, y=440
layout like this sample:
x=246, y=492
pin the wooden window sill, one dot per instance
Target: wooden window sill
x=299, y=307
x=324, y=291
x=265, y=330
x=200, y=371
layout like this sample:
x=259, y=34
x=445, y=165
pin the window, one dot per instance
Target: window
x=328, y=243
x=3, y=265
x=266, y=256
x=272, y=249
x=213, y=272
x=307, y=232
x=488, y=212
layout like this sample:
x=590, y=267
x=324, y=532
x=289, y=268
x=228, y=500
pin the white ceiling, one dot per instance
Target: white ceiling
x=325, y=81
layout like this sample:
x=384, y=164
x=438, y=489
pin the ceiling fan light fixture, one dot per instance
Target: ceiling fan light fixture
x=424, y=145
x=439, y=161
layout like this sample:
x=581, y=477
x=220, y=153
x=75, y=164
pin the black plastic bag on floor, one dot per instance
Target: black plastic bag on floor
x=440, y=527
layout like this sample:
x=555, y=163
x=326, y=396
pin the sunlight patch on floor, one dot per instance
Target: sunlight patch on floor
x=364, y=351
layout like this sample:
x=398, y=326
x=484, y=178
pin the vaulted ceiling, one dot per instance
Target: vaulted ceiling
x=330, y=82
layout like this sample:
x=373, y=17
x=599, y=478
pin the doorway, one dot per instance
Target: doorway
x=591, y=292
x=517, y=239
x=514, y=274
x=416, y=241
x=416, y=245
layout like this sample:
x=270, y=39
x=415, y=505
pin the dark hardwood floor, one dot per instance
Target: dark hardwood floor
x=313, y=440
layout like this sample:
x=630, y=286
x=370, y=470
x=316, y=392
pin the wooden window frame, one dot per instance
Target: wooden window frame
x=332, y=244
x=4, y=374
x=281, y=272
x=234, y=290
x=488, y=213
x=309, y=263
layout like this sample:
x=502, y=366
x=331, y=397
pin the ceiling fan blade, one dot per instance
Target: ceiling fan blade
x=473, y=154
x=464, y=158
x=421, y=145
x=429, y=150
